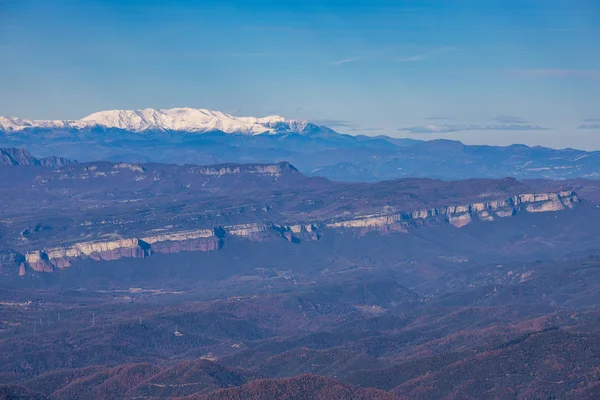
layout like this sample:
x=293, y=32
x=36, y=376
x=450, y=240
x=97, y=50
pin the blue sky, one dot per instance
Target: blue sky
x=494, y=72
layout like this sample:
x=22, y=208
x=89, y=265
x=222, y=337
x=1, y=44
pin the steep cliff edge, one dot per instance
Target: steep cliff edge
x=16, y=157
x=52, y=217
x=167, y=241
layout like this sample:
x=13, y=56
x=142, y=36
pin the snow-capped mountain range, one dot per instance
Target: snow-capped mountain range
x=203, y=137
x=174, y=119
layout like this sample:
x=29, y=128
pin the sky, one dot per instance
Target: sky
x=483, y=72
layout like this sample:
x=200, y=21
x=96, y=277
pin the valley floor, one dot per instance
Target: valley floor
x=522, y=330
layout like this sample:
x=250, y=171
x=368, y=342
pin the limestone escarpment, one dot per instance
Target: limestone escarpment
x=461, y=215
x=192, y=177
x=266, y=169
x=167, y=241
x=60, y=257
x=48, y=260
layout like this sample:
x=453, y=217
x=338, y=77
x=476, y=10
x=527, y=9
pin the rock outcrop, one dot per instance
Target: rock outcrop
x=39, y=261
x=461, y=215
x=11, y=262
x=167, y=241
x=14, y=157
x=266, y=169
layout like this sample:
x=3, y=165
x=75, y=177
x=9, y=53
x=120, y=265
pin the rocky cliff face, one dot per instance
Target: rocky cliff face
x=14, y=157
x=462, y=215
x=168, y=241
x=11, y=262
x=267, y=169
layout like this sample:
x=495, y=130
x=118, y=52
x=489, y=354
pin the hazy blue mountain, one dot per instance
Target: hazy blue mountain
x=15, y=157
x=314, y=149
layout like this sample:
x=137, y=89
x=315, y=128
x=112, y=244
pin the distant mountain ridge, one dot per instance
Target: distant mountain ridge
x=203, y=137
x=174, y=119
x=13, y=156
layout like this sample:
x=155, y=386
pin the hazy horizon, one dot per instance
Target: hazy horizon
x=493, y=73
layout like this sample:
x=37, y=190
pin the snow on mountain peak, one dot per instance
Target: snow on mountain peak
x=174, y=119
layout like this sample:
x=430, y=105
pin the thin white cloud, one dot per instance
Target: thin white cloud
x=448, y=128
x=414, y=58
x=590, y=126
x=365, y=129
x=369, y=54
x=347, y=60
x=509, y=119
x=237, y=111
x=334, y=122
x=425, y=56
x=441, y=118
x=349, y=126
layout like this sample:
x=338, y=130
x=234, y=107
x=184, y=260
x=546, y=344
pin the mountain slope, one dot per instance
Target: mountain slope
x=304, y=387
x=12, y=156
